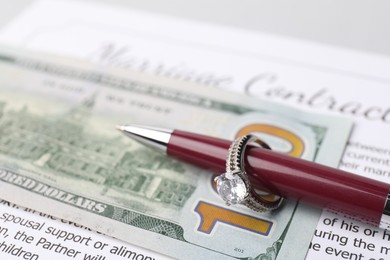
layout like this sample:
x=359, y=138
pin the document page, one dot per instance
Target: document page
x=27, y=234
x=302, y=74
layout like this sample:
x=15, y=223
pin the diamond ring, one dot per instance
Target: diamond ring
x=234, y=186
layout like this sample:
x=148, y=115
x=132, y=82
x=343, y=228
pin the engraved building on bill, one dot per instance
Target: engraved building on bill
x=60, y=145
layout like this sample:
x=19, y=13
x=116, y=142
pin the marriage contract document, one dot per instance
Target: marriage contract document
x=308, y=75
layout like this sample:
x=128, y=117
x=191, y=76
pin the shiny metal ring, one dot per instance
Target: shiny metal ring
x=234, y=187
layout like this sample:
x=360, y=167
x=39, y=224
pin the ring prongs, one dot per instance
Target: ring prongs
x=234, y=187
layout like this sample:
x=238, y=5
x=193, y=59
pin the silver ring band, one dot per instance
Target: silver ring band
x=234, y=186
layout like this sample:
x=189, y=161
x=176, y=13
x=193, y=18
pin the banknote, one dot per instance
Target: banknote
x=60, y=154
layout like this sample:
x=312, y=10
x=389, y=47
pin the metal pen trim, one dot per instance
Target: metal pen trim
x=385, y=219
x=153, y=137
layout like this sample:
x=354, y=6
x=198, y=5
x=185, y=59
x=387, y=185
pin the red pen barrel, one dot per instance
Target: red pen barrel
x=288, y=176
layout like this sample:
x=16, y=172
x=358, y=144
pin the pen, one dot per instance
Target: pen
x=278, y=173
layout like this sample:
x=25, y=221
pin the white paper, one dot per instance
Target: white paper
x=304, y=74
x=26, y=234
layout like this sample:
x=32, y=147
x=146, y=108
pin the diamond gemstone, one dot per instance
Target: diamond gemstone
x=232, y=190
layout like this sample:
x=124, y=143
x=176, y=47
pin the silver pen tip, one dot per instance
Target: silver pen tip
x=151, y=136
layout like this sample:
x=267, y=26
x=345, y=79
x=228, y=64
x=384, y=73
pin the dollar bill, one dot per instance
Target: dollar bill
x=60, y=154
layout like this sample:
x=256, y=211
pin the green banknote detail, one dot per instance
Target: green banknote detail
x=123, y=84
x=129, y=217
